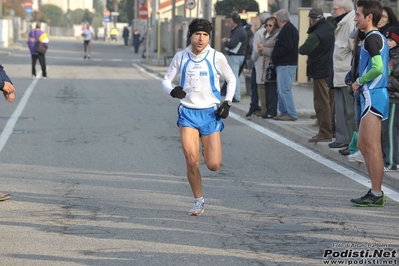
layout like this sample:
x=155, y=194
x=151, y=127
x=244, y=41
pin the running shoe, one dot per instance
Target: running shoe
x=356, y=157
x=4, y=196
x=369, y=200
x=198, y=208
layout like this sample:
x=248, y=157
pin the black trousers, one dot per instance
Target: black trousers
x=42, y=61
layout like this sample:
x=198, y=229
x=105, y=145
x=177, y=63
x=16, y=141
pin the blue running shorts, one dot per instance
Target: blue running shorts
x=204, y=120
x=375, y=101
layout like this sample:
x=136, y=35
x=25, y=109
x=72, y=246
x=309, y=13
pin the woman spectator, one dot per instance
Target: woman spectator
x=387, y=20
x=266, y=48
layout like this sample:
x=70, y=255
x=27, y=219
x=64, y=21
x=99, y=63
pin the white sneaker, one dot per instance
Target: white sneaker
x=34, y=76
x=198, y=208
x=356, y=157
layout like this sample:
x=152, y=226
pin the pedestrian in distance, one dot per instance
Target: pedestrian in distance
x=125, y=35
x=372, y=83
x=285, y=60
x=318, y=47
x=265, y=49
x=7, y=87
x=201, y=108
x=87, y=35
x=136, y=40
x=37, y=35
x=114, y=35
x=236, y=46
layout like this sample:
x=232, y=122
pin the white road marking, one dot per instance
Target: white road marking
x=8, y=129
x=359, y=178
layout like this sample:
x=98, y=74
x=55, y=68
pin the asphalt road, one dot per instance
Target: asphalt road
x=93, y=160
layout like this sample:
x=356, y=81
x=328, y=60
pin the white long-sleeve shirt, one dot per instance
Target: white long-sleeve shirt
x=199, y=77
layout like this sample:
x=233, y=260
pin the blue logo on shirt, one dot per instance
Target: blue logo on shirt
x=203, y=74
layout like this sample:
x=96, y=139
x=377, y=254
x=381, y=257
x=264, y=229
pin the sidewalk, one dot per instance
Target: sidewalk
x=301, y=130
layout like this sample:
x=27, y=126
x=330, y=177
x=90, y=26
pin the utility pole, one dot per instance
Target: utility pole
x=116, y=8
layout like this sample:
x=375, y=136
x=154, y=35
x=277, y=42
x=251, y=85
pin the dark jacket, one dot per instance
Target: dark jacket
x=125, y=32
x=250, y=35
x=393, y=78
x=238, y=34
x=3, y=77
x=318, y=47
x=285, y=51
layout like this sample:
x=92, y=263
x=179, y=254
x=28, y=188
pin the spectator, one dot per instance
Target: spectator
x=125, y=35
x=372, y=83
x=345, y=124
x=387, y=20
x=250, y=66
x=318, y=47
x=285, y=60
x=259, y=95
x=390, y=127
x=266, y=48
x=136, y=40
x=236, y=46
x=36, y=35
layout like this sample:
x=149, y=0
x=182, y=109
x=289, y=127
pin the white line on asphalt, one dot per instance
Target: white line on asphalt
x=361, y=179
x=7, y=131
x=147, y=72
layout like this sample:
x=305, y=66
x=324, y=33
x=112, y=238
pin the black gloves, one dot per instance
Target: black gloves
x=223, y=110
x=178, y=92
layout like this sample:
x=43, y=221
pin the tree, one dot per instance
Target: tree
x=229, y=7
x=124, y=8
x=98, y=6
x=17, y=5
x=274, y=7
x=54, y=15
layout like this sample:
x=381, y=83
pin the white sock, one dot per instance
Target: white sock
x=377, y=194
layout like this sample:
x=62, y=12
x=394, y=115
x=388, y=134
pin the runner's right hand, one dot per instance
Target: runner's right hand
x=178, y=92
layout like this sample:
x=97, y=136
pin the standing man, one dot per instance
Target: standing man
x=7, y=88
x=318, y=47
x=125, y=35
x=344, y=104
x=87, y=36
x=236, y=46
x=372, y=83
x=37, y=35
x=201, y=107
x=285, y=60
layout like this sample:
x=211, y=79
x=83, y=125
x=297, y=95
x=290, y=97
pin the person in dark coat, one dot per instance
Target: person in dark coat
x=136, y=40
x=125, y=35
x=318, y=47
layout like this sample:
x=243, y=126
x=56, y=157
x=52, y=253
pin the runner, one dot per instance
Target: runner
x=87, y=36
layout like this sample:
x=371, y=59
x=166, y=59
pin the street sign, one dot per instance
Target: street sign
x=28, y=10
x=190, y=4
x=143, y=12
x=114, y=14
x=107, y=19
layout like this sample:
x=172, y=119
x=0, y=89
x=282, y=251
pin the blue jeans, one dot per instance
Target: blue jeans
x=235, y=61
x=285, y=78
x=254, y=91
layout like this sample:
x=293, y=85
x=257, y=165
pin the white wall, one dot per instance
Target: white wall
x=4, y=26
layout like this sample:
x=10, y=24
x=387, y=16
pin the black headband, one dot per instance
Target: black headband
x=200, y=27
